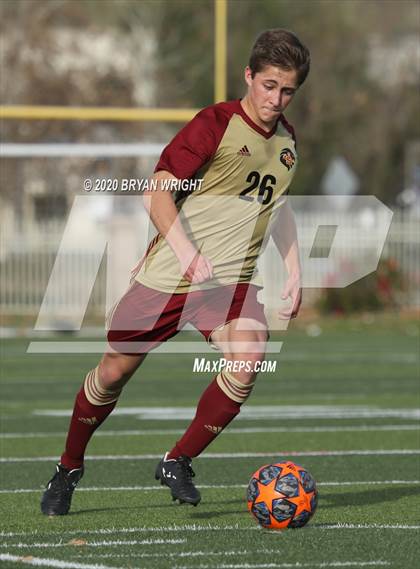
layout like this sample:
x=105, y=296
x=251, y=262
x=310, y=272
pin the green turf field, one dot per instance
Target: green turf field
x=344, y=403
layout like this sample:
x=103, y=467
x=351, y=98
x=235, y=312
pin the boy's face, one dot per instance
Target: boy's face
x=270, y=91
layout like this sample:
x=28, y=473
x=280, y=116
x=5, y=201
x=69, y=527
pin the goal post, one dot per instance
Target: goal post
x=43, y=112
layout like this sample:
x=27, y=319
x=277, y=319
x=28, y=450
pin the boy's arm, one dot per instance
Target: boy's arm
x=285, y=238
x=196, y=268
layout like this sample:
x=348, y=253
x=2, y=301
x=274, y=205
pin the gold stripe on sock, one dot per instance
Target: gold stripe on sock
x=233, y=388
x=95, y=393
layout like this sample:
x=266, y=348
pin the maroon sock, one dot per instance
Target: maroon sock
x=84, y=422
x=215, y=411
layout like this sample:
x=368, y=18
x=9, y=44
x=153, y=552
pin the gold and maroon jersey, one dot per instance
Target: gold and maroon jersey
x=245, y=174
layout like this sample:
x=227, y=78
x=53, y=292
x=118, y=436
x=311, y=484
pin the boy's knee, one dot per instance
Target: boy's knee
x=111, y=375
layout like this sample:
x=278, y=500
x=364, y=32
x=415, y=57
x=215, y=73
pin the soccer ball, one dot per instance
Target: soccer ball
x=282, y=495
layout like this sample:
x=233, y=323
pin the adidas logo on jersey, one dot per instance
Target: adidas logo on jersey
x=244, y=151
x=212, y=429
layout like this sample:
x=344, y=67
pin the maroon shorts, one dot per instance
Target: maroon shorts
x=146, y=317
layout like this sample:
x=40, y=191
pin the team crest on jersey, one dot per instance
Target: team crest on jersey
x=287, y=158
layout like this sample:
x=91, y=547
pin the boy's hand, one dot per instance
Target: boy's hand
x=195, y=267
x=292, y=289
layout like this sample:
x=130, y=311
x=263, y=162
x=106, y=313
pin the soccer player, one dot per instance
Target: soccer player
x=200, y=268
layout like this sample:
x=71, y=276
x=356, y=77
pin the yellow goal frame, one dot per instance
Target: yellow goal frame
x=42, y=112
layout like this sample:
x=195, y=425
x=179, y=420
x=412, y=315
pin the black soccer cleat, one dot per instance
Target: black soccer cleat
x=56, y=499
x=177, y=474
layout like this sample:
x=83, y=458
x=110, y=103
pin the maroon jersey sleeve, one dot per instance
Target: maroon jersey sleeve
x=197, y=142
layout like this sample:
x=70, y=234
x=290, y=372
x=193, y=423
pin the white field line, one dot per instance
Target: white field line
x=202, y=528
x=233, y=431
x=257, y=412
x=213, y=486
x=52, y=562
x=102, y=543
x=287, y=565
x=275, y=453
x=172, y=554
x=368, y=526
x=210, y=554
x=181, y=554
x=43, y=562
